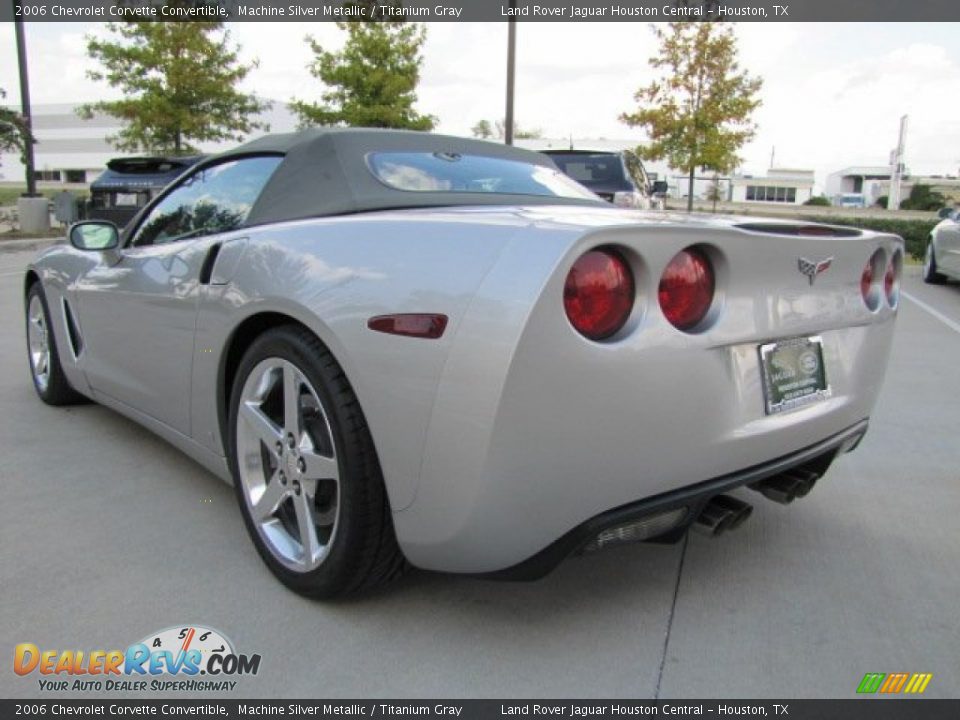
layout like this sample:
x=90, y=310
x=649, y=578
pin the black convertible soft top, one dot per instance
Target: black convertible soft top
x=325, y=172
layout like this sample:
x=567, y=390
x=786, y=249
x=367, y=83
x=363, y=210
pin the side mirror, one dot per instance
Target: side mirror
x=659, y=187
x=94, y=235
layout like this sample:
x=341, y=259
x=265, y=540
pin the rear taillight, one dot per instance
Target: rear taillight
x=630, y=199
x=870, y=280
x=686, y=289
x=891, y=279
x=598, y=294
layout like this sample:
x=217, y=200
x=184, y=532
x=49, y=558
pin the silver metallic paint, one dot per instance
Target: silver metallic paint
x=511, y=429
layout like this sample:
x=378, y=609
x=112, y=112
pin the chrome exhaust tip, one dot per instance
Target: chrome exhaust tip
x=722, y=513
x=787, y=487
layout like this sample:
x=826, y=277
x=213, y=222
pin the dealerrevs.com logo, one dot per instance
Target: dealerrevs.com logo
x=183, y=658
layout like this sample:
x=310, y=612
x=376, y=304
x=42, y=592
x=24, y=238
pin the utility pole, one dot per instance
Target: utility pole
x=896, y=168
x=511, y=68
x=25, y=103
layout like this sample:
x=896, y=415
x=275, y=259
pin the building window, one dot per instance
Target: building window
x=771, y=193
x=46, y=175
x=75, y=176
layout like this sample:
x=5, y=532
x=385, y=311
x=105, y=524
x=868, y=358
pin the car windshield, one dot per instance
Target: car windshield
x=453, y=172
x=602, y=168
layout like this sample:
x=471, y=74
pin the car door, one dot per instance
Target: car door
x=139, y=308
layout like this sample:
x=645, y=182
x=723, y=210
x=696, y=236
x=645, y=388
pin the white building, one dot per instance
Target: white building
x=860, y=180
x=779, y=185
x=70, y=149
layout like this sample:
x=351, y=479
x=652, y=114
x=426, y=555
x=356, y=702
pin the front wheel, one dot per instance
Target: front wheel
x=930, y=274
x=49, y=380
x=306, y=473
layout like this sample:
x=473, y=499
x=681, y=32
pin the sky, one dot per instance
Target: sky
x=832, y=96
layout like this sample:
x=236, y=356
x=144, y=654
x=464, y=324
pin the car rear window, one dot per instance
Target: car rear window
x=591, y=169
x=456, y=173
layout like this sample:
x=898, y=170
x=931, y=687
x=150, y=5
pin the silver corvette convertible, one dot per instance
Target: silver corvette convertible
x=408, y=349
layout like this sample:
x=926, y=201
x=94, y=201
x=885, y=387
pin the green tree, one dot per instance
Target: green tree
x=923, y=197
x=482, y=130
x=13, y=130
x=697, y=111
x=372, y=81
x=714, y=193
x=179, y=83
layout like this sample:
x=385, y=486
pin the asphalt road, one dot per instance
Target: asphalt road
x=109, y=534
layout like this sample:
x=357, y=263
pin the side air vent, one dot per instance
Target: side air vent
x=76, y=340
x=798, y=230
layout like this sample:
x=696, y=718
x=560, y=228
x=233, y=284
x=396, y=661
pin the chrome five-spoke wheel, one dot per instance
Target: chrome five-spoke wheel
x=38, y=341
x=288, y=464
x=305, y=470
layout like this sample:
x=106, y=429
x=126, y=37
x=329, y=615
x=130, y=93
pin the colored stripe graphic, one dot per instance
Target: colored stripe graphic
x=918, y=683
x=894, y=683
x=871, y=682
x=913, y=683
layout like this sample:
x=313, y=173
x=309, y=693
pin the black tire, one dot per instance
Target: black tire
x=930, y=274
x=363, y=552
x=57, y=391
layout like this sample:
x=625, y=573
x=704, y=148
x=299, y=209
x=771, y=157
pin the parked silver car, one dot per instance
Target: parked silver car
x=404, y=348
x=942, y=257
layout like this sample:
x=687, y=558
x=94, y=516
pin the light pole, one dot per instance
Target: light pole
x=511, y=68
x=25, y=102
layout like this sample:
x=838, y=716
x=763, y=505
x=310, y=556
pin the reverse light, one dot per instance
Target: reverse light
x=419, y=325
x=598, y=294
x=686, y=289
x=631, y=199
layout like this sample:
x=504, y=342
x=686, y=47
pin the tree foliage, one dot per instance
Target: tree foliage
x=482, y=130
x=923, y=197
x=13, y=130
x=697, y=112
x=179, y=82
x=372, y=81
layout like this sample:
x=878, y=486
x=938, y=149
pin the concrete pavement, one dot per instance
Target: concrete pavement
x=109, y=534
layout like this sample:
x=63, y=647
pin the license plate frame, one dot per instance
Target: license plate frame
x=794, y=373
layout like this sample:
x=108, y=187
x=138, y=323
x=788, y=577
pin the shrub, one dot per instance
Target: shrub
x=818, y=200
x=915, y=233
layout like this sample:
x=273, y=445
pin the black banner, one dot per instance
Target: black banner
x=859, y=709
x=480, y=10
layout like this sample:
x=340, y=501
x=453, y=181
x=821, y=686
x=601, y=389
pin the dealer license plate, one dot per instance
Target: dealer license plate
x=793, y=373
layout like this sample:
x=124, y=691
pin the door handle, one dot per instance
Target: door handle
x=206, y=270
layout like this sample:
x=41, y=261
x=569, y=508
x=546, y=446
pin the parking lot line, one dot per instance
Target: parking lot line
x=933, y=311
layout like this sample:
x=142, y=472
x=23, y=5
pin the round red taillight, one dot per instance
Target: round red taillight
x=866, y=282
x=869, y=280
x=891, y=280
x=598, y=294
x=686, y=289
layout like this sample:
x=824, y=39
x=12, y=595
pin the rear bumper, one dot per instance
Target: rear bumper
x=691, y=499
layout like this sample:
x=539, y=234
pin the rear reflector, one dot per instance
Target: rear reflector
x=637, y=530
x=420, y=325
x=598, y=294
x=686, y=289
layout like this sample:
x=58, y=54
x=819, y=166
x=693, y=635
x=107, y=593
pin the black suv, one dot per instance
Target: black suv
x=617, y=177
